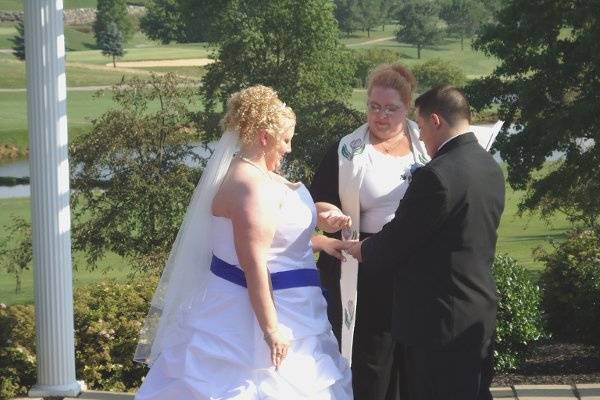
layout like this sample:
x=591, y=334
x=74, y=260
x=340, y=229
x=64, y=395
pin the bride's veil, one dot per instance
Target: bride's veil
x=187, y=267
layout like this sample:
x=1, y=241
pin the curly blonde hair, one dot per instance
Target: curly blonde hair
x=394, y=76
x=255, y=108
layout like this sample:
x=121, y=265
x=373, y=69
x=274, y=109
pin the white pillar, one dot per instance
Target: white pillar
x=50, y=212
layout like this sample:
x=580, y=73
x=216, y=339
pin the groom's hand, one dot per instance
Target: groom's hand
x=355, y=251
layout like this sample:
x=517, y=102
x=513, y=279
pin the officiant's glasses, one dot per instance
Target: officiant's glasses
x=386, y=111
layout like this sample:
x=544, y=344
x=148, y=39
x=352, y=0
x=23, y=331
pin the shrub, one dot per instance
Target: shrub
x=519, y=320
x=367, y=59
x=435, y=72
x=17, y=344
x=571, y=283
x=108, y=318
x=15, y=249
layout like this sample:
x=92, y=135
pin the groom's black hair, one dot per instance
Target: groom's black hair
x=446, y=101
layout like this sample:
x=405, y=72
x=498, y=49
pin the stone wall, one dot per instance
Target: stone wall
x=73, y=16
x=10, y=16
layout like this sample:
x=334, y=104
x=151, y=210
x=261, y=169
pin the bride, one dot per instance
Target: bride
x=239, y=312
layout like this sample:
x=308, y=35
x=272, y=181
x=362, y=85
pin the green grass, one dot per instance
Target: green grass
x=518, y=235
x=156, y=52
x=78, y=38
x=362, y=36
x=11, y=4
x=75, y=39
x=81, y=108
x=12, y=75
x=358, y=99
x=7, y=31
x=81, y=38
x=473, y=63
x=112, y=266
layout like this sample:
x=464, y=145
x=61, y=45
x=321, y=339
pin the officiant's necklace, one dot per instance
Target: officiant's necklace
x=388, y=150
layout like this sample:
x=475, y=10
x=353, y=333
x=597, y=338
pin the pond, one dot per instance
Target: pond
x=20, y=168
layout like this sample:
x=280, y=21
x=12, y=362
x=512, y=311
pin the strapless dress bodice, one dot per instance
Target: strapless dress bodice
x=291, y=247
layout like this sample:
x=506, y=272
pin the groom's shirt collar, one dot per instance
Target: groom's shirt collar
x=449, y=140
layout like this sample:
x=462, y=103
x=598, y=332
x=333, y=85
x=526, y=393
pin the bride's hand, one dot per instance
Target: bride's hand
x=279, y=345
x=334, y=247
x=334, y=220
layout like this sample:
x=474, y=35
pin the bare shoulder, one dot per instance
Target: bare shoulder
x=284, y=181
x=244, y=188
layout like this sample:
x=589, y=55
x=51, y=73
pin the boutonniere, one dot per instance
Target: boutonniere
x=410, y=171
x=356, y=147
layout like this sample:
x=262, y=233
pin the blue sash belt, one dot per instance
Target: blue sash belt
x=280, y=280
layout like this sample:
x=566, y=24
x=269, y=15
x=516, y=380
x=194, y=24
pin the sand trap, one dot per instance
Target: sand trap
x=190, y=62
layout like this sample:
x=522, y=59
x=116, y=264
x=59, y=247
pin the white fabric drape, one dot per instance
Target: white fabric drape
x=187, y=268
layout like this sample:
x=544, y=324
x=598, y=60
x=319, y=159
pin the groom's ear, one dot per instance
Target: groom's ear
x=436, y=119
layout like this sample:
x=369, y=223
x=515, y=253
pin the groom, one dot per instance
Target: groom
x=439, y=248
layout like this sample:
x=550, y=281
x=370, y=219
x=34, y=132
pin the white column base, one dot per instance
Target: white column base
x=72, y=390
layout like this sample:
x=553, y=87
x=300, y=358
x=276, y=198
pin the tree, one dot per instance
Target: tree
x=181, y=20
x=111, y=42
x=112, y=11
x=367, y=59
x=19, y=42
x=15, y=249
x=133, y=182
x=420, y=24
x=344, y=14
x=292, y=46
x=163, y=21
x=546, y=86
x=369, y=14
x=463, y=18
x=388, y=10
x=289, y=45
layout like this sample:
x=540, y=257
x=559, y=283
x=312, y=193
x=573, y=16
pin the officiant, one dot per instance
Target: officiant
x=365, y=175
x=438, y=250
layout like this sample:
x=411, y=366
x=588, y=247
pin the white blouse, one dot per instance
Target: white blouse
x=382, y=188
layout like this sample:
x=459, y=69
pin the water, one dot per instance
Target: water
x=20, y=168
x=7, y=192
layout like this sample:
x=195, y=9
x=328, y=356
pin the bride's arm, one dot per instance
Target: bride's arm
x=331, y=246
x=330, y=218
x=253, y=229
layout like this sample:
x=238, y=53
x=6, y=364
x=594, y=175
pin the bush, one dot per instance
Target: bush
x=17, y=344
x=108, y=318
x=367, y=59
x=571, y=283
x=435, y=72
x=519, y=320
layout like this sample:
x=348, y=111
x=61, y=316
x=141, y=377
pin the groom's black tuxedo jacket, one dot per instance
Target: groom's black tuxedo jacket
x=440, y=247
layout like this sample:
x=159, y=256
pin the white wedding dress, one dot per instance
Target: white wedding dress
x=220, y=351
